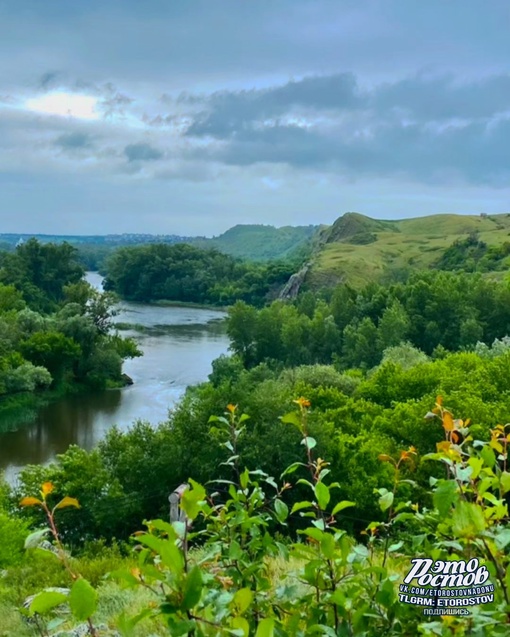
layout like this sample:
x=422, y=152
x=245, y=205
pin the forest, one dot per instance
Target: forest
x=55, y=331
x=188, y=274
x=346, y=433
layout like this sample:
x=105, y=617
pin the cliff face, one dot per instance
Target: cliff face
x=293, y=285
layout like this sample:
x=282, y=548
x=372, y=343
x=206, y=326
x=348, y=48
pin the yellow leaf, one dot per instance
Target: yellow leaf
x=68, y=502
x=384, y=457
x=448, y=421
x=443, y=446
x=29, y=502
x=47, y=488
x=439, y=400
x=495, y=444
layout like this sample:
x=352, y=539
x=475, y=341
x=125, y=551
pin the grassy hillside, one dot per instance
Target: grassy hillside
x=259, y=242
x=357, y=249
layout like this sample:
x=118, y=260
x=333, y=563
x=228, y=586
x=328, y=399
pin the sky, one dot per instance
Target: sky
x=190, y=116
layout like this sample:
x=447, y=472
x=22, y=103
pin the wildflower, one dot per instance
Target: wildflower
x=302, y=402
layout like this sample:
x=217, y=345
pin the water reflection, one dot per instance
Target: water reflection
x=179, y=345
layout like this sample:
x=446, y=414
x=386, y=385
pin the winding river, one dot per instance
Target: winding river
x=179, y=345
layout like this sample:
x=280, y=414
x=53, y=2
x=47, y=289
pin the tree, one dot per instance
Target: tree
x=393, y=327
x=242, y=321
x=51, y=350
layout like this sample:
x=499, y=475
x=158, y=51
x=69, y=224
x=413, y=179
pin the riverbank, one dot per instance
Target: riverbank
x=179, y=345
x=18, y=410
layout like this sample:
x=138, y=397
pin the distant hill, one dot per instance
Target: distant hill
x=252, y=242
x=259, y=242
x=357, y=249
x=100, y=239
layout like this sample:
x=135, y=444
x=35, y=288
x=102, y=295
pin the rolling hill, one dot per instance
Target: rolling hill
x=259, y=242
x=357, y=249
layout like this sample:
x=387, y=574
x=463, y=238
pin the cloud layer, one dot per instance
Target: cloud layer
x=193, y=116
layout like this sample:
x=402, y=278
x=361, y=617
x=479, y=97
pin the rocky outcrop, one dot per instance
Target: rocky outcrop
x=291, y=289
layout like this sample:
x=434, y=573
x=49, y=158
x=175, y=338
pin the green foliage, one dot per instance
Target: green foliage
x=474, y=255
x=55, y=331
x=261, y=243
x=190, y=274
x=431, y=310
x=12, y=534
x=40, y=272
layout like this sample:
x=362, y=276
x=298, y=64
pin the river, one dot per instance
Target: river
x=179, y=345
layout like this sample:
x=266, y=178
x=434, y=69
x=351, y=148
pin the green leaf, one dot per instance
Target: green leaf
x=192, y=499
x=235, y=551
x=244, y=478
x=291, y=468
x=265, y=628
x=35, y=538
x=272, y=482
x=505, y=481
x=82, y=600
x=328, y=545
x=281, y=509
x=242, y=600
x=46, y=601
x=292, y=418
x=315, y=534
x=322, y=494
x=385, y=501
x=444, y=496
x=309, y=442
x=241, y=625
x=298, y=506
x=477, y=464
x=169, y=553
x=502, y=538
x=394, y=547
x=488, y=456
x=192, y=588
x=342, y=505
x=54, y=624
x=468, y=520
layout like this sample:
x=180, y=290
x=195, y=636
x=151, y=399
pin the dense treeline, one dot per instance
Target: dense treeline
x=54, y=327
x=188, y=274
x=432, y=310
x=354, y=418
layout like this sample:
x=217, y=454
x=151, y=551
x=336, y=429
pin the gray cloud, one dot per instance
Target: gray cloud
x=142, y=152
x=48, y=79
x=428, y=128
x=74, y=141
x=274, y=112
x=229, y=111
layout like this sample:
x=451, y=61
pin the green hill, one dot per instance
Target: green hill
x=259, y=242
x=357, y=249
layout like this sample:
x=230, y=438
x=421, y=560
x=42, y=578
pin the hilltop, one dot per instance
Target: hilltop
x=357, y=249
x=260, y=242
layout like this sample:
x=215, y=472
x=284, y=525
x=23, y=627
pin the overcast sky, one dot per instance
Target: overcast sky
x=189, y=116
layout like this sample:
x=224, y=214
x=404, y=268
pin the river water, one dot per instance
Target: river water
x=179, y=345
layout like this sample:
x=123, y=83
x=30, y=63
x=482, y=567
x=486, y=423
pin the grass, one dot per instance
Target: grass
x=416, y=243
